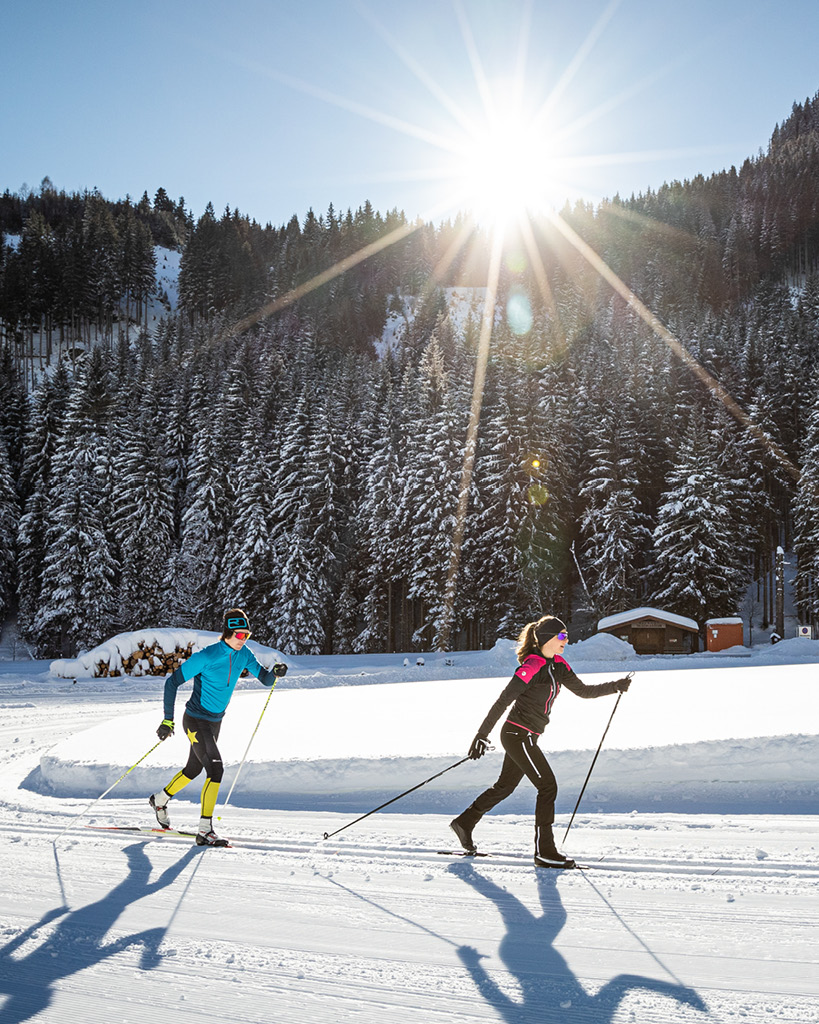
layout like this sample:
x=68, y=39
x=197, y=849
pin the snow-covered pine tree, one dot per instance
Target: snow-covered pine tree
x=377, y=527
x=13, y=410
x=806, y=524
x=249, y=571
x=77, y=603
x=9, y=522
x=431, y=477
x=143, y=513
x=615, y=530
x=204, y=519
x=299, y=620
x=48, y=410
x=698, y=570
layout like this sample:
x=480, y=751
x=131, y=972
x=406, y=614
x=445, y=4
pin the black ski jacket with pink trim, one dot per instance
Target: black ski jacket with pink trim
x=534, y=688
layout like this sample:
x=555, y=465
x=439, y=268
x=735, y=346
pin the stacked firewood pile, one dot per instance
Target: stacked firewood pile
x=147, y=660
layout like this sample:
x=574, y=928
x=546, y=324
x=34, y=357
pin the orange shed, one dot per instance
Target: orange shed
x=723, y=633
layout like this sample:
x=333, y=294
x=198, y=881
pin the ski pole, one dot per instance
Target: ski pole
x=594, y=761
x=88, y=808
x=328, y=835
x=244, y=756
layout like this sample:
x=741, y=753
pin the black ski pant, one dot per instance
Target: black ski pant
x=204, y=753
x=523, y=758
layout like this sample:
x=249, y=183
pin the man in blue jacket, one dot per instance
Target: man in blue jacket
x=214, y=670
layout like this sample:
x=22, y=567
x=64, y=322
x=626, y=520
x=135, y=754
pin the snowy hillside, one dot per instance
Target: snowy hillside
x=461, y=304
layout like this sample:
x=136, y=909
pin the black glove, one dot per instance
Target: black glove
x=165, y=730
x=479, y=747
x=624, y=683
x=279, y=670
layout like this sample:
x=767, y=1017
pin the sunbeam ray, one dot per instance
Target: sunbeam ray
x=674, y=344
x=471, y=445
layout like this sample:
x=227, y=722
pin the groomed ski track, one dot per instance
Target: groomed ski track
x=679, y=918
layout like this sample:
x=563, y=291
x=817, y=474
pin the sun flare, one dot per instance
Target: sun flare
x=506, y=169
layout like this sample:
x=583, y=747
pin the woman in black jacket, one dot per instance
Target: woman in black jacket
x=533, y=689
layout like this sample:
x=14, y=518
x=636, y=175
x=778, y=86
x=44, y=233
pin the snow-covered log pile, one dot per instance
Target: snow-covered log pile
x=149, y=652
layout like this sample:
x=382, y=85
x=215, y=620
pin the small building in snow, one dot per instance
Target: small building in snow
x=720, y=634
x=651, y=631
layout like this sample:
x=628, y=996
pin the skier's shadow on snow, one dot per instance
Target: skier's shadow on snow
x=78, y=941
x=550, y=992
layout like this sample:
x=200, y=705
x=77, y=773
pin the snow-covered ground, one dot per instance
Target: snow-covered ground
x=700, y=901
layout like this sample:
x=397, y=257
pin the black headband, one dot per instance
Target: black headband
x=544, y=631
x=234, y=622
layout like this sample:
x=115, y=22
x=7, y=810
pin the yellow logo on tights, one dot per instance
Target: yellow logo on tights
x=192, y=736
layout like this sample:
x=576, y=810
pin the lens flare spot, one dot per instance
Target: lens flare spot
x=516, y=262
x=538, y=494
x=519, y=314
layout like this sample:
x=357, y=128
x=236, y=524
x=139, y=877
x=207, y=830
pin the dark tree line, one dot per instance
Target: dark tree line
x=301, y=468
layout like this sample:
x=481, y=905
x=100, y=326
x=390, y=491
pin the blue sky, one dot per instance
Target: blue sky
x=275, y=107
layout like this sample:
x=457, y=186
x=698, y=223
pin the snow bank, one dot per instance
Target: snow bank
x=600, y=647
x=114, y=657
x=709, y=739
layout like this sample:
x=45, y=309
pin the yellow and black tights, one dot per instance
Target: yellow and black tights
x=204, y=754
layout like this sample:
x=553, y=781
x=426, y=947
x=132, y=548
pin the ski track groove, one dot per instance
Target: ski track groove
x=655, y=865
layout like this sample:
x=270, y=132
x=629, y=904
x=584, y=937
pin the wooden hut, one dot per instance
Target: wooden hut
x=651, y=631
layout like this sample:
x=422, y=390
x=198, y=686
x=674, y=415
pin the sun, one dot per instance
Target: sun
x=506, y=168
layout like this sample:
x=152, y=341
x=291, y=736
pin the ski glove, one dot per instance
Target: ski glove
x=279, y=670
x=479, y=747
x=165, y=730
x=623, y=684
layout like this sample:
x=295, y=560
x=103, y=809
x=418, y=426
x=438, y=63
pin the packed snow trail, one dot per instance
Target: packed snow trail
x=680, y=917
x=105, y=928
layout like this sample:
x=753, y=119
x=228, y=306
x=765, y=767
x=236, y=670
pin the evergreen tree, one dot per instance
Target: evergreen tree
x=806, y=524
x=9, y=520
x=698, y=569
x=78, y=594
x=377, y=524
x=143, y=516
x=39, y=447
x=249, y=572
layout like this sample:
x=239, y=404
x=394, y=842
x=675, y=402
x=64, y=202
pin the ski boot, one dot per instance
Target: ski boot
x=206, y=836
x=546, y=853
x=558, y=861
x=160, y=810
x=464, y=834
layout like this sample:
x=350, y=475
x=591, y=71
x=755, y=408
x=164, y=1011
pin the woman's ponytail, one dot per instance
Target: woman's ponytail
x=527, y=642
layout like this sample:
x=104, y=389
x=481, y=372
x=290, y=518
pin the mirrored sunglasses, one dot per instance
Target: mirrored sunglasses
x=562, y=636
x=241, y=634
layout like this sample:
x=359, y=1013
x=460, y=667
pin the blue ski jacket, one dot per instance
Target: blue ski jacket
x=215, y=670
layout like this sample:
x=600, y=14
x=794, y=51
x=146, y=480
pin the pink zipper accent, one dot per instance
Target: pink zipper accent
x=519, y=726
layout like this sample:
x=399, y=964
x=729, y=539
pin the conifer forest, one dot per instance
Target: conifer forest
x=289, y=435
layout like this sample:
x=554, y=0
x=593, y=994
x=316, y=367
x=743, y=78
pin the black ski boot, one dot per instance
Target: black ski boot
x=464, y=833
x=558, y=861
x=546, y=853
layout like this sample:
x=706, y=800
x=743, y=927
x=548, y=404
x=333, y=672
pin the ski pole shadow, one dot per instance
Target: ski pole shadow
x=78, y=941
x=550, y=993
